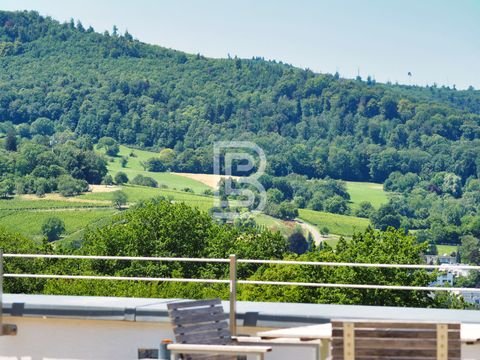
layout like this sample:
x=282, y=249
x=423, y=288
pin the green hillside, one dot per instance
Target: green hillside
x=29, y=223
x=148, y=96
x=64, y=88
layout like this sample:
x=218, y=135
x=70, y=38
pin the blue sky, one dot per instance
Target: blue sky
x=438, y=41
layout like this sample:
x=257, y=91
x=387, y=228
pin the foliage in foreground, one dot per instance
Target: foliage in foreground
x=160, y=228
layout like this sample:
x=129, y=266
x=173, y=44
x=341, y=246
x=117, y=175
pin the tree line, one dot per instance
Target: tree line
x=311, y=124
x=159, y=228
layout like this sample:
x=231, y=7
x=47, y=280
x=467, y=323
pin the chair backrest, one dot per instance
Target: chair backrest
x=199, y=322
x=375, y=340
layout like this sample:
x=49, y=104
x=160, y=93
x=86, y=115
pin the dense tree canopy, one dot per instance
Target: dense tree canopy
x=159, y=228
x=64, y=88
x=62, y=77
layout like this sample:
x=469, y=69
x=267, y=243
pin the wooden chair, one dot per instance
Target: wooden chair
x=201, y=327
x=382, y=340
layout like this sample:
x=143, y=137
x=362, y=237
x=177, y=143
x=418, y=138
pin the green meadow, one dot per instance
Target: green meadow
x=285, y=228
x=337, y=224
x=26, y=214
x=446, y=249
x=365, y=191
x=134, y=168
x=29, y=223
x=137, y=193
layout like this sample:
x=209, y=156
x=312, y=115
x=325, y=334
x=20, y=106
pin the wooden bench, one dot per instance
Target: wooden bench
x=201, y=327
x=382, y=340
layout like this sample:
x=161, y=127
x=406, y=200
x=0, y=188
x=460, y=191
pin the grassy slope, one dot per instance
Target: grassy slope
x=364, y=191
x=285, y=228
x=336, y=224
x=138, y=193
x=18, y=203
x=26, y=216
x=134, y=168
x=29, y=223
x=446, y=249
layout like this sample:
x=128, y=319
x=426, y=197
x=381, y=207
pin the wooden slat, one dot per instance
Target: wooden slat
x=196, y=303
x=222, y=337
x=380, y=343
x=200, y=327
x=218, y=349
x=199, y=319
x=395, y=325
x=396, y=334
x=195, y=312
x=208, y=357
x=349, y=341
x=431, y=353
x=442, y=342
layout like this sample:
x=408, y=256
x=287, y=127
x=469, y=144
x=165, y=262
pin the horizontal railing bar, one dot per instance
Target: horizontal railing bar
x=356, y=286
x=246, y=261
x=122, y=278
x=367, y=265
x=104, y=257
x=245, y=282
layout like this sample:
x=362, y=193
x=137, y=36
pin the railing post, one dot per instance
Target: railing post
x=5, y=329
x=1, y=292
x=233, y=295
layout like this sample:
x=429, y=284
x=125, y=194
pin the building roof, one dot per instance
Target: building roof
x=249, y=313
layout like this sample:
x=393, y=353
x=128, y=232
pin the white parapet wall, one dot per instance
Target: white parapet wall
x=53, y=327
x=54, y=339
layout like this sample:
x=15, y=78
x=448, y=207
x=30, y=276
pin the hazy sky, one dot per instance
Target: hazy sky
x=436, y=40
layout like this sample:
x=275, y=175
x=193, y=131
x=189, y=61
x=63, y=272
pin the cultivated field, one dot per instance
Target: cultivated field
x=137, y=193
x=26, y=213
x=29, y=222
x=210, y=180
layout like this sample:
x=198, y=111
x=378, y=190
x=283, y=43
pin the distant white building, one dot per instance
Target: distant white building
x=444, y=279
x=440, y=259
x=470, y=297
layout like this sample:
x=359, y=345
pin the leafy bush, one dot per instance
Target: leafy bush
x=52, y=228
x=365, y=210
x=68, y=186
x=144, y=181
x=120, y=178
x=119, y=199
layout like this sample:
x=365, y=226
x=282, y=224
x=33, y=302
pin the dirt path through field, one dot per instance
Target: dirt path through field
x=58, y=197
x=317, y=237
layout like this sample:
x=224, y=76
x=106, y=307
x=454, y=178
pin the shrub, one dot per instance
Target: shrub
x=144, y=181
x=68, y=186
x=365, y=210
x=52, y=228
x=121, y=178
x=119, y=199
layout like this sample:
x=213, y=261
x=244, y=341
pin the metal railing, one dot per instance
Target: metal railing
x=5, y=329
x=233, y=280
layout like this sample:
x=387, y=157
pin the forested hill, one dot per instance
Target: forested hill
x=148, y=96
